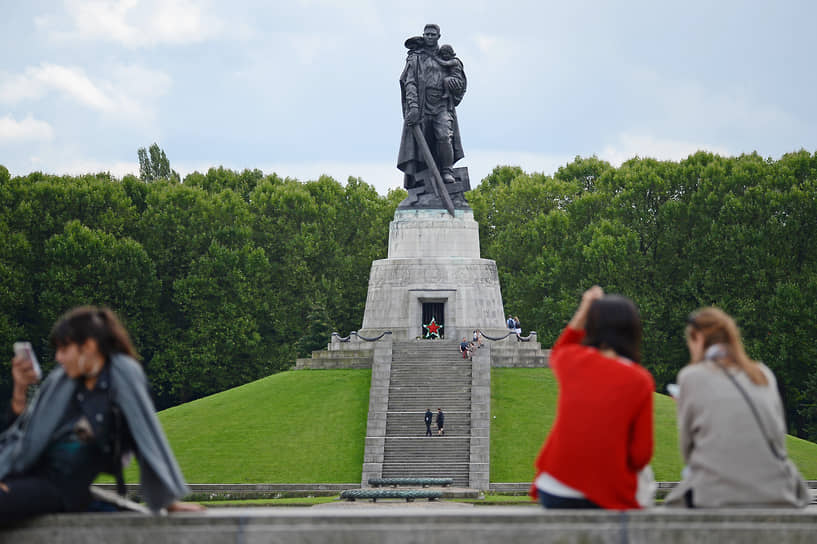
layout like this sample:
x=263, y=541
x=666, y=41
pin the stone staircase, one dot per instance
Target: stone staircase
x=428, y=374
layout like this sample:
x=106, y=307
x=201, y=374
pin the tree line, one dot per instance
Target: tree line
x=228, y=276
x=736, y=232
x=221, y=279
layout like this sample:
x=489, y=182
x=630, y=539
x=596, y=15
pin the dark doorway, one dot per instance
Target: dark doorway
x=433, y=311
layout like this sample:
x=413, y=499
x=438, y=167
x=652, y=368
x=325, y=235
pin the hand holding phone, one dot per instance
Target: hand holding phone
x=24, y=350
x=674, y=390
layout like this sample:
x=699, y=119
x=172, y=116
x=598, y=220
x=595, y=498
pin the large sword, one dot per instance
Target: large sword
x=439, y=184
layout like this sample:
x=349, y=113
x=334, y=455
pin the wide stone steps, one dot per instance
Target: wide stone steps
x=412, y=402
x=412, y=424
x=456, y=374
x=428, y=374
x=433, y=402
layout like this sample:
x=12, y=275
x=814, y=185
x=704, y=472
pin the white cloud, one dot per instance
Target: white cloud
x=19, y=87
x=127, y=95
x=27, y=130
x=74, y=83
x=630, y=145
x=135, y=23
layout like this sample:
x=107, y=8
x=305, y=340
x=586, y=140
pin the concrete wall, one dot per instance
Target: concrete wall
x=361, y=523
x=511, y=353
x=378, y=408
x=480, y=461
x=327, y=360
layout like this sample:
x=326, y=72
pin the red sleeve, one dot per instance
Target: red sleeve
x=641, y=440
x=569, y=336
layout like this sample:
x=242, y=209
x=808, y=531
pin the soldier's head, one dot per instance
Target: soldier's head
x=431, y=35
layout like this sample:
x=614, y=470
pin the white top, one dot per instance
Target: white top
x=552, y=486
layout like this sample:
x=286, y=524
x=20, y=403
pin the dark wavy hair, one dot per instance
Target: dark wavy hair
x=78, y=325
x=613, y=323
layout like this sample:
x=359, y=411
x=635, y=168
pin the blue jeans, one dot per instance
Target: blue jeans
x=556, y=502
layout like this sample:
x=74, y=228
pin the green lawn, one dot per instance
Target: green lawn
x=523, y=404
x=309, y=426
x=292, y=427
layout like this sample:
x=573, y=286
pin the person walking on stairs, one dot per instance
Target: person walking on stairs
x=440, y=422
x=428, y=418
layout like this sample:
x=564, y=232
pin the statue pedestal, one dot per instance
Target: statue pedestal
x=434, y=266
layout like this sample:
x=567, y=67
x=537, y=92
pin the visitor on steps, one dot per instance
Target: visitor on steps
x=602, y=435
x=428, y=417
x=477, y=340
x=440, y=422
x=90, y=411
x=467, y=349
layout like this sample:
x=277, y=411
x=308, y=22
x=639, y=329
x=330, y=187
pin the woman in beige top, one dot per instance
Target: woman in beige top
x=733, y=457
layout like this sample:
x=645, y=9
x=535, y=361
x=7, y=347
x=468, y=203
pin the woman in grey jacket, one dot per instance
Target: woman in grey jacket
x=90, y=411
x=731, y=425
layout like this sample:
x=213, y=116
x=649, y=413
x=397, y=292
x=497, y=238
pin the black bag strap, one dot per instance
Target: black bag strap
x=745, y=395
x=118, y=430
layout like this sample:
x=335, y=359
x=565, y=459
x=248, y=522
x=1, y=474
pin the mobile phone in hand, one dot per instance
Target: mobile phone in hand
x=674, y=390
x=24, y=349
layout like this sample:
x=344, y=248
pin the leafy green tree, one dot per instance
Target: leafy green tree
x=85, y=266
x=221, y=345
x=735, y=232
x=317, y=333
x=153, y=164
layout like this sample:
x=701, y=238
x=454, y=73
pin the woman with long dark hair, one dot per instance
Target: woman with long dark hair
x=731, y=424
x=602, y=435
x=90, y=411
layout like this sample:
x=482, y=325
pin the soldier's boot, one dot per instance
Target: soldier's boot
x=445, y=154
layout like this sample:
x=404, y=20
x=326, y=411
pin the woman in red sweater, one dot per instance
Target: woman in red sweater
x=602, y=435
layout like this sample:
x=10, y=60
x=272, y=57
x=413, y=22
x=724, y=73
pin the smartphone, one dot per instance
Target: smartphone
x=673, y=389
x=24, y=349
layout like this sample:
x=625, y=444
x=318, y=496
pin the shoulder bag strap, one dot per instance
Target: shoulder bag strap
x=745, y=395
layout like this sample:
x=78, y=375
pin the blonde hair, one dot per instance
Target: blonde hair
x=717, y=327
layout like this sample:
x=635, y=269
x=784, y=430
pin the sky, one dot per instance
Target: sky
x=304, y=88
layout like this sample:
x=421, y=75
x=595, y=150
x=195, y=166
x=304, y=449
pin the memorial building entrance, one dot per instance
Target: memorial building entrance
x=433, y=320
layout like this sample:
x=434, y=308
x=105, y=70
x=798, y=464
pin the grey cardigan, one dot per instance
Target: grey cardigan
x=728, y=460
x=22, y=444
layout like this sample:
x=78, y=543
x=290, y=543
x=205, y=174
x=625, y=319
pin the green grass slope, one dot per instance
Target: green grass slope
x=292, y=427
x=310, y=426
x=523, y=403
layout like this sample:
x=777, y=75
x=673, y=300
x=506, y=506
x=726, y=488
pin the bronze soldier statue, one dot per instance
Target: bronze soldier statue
x=432, y=84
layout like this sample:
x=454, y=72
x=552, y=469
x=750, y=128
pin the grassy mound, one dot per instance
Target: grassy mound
x=523, y=405
x=293, y=427
x=310, y=426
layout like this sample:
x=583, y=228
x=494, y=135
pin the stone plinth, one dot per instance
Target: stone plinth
x=433, y=233
x=433, y=258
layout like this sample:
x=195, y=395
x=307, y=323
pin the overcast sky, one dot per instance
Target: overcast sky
x=310, y=87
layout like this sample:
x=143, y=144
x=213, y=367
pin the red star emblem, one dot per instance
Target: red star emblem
x=432, y=329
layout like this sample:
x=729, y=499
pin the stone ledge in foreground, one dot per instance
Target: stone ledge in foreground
x=432, y=522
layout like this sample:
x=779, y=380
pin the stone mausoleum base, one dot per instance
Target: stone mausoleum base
x=433, y=258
